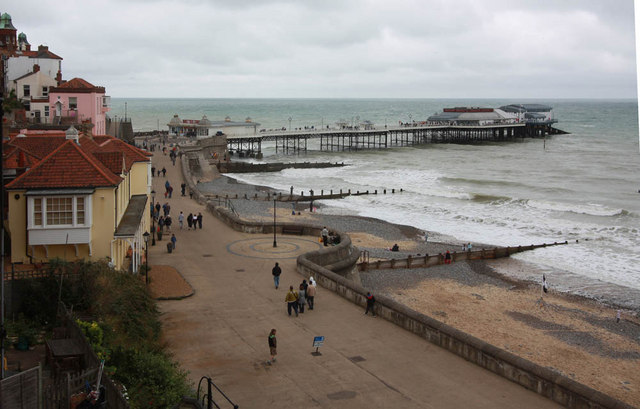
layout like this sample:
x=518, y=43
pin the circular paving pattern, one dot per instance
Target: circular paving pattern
x=288, y=247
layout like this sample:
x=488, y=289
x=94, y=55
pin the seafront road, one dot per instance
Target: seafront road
x=221, y=331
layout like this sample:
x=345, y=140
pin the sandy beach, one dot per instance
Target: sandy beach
x=572, y=335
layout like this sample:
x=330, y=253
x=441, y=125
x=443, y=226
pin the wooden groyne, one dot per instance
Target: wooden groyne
x=243, y=167
x=283, y=197
x=427, y=260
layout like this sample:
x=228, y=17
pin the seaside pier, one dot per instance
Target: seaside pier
x=295, y=142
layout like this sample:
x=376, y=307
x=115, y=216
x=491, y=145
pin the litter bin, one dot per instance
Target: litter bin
x=169, y=247
x=159, y=235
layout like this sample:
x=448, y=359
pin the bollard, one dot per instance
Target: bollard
x=375, y=192
x=384, y=191
x=393, y=190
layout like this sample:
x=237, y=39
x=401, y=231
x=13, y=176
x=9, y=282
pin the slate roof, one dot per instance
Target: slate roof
x=69, y=166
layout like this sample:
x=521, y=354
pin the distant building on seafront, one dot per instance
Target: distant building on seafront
x=205, y=128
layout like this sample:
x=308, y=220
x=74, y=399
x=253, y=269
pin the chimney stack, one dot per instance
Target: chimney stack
x=36, y=68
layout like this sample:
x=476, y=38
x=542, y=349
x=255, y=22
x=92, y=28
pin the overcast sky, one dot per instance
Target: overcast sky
x=340, y=48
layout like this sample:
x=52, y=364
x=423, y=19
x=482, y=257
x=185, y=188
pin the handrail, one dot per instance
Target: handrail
x=208, y=395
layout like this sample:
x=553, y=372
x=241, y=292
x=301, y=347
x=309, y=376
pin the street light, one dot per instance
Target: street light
x=275, y=244
x=153, y=217
x=146, y=257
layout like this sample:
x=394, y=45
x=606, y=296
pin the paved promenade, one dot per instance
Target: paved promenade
x=366, y=362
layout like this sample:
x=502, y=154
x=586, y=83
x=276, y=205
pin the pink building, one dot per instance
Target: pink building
x=78, y=101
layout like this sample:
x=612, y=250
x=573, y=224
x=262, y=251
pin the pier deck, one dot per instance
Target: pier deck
x=355, y=139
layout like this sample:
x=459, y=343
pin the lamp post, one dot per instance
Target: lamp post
x=275, y=243
x=146, y=257
x=290, y=124
x=153, y=217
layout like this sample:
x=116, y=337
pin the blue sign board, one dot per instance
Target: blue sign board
x=318, y=341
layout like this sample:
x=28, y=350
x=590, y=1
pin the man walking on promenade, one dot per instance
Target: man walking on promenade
x=273, y=344
x=292, y=301
x=199, y=221
x=183, y=186
x=371, y=301
x=311, y=292
x=173, y=240
x=325, y=236
x=276, y=271
x=181, y=220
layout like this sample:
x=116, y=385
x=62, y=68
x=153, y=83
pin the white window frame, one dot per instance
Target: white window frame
x=45, y=91
x=74, y=224
x=26, y=90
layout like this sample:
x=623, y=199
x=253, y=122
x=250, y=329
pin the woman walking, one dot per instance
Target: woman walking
x=273, y=344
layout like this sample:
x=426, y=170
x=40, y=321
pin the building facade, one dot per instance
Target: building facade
x=86, y=199
x=78, y=101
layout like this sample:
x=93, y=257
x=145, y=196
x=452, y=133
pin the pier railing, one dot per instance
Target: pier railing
x=437, y=259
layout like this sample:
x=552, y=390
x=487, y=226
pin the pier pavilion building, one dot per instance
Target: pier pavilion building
x=205, y=128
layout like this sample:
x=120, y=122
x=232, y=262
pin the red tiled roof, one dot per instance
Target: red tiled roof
x=16, y=158
x=112, y=160
x=40, y=54
x=131, y=153
x=38, y=146
x=77, y=85
x=69, y=166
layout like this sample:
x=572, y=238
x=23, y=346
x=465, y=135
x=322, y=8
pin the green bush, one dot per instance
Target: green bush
x=152, y=378
x=125, y=332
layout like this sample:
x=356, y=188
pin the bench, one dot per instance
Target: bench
x=293, y=230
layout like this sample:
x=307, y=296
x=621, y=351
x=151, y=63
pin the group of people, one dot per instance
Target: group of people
x=159, y=171
x=305, y=295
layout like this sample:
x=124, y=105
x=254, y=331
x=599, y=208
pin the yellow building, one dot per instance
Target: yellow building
x=86, y=199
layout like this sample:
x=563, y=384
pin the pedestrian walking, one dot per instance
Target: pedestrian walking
x=183, y=186
x=164, y=172
x=157, y=209
x=190, y=220
x=302, y=298
x=371, y=301
x=170, y=191
x=468, y=246
x=199, y=221
x=447, y=257
x=292, y=301
x=275, y=272
x=181, y=220
x=153, y=171
x=161, y=223
x=173, y=240
x=167, y=222
x=273, y=345
x=311, y=293
x=618, y=313
x=325, y=236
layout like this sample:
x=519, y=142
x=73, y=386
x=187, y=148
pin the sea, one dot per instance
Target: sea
x=582, y=187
